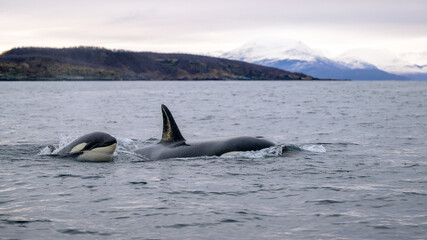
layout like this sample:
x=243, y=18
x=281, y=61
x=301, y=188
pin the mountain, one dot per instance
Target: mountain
x=410, y=65
x=273, y=49
x=295, y=56
x=89, y=63
x=327, y=68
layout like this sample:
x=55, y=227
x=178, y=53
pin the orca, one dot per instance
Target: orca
x=92, y=147
x=173, y=144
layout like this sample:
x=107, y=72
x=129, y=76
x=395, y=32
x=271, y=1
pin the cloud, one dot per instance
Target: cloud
x=164, y=24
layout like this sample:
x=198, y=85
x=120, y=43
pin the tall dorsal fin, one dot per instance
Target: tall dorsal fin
x=171, y=131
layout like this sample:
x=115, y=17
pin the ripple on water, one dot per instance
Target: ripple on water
x=68, y=175
x=73, y=231
x=325, y=201
x=138, y=183
x=24, y=221
x=200, y=224
x=321, y=186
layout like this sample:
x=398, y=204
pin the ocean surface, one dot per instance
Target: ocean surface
x=356, y=166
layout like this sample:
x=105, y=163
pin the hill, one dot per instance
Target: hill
x=89, y=63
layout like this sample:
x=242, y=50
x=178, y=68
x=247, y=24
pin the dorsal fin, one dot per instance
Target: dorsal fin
x=171, y=131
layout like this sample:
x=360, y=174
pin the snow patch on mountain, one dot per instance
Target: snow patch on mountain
x=274, y=50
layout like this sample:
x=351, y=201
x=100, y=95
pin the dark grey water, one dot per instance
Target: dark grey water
x=358, y=169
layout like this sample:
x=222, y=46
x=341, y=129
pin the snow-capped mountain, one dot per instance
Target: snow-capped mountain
x=274, y=50
x=358, y=64
x=410, y=65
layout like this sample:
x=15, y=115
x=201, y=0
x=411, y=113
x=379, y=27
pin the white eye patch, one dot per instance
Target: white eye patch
x=78, y=147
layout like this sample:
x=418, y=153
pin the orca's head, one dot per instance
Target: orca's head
x=94, y=147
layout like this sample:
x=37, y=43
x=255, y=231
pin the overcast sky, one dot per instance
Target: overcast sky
x=197, y=26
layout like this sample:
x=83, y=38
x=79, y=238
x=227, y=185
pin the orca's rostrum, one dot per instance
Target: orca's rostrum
x=173, y=144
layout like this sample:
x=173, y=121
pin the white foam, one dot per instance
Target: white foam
x=314, y=148
x=274, y=151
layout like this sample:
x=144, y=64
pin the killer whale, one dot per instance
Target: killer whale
x=174, y=145
x=93, y=147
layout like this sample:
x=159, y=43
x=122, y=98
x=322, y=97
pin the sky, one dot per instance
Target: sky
x=202, y=27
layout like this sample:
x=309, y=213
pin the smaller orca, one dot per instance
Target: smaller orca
x=173, y=144
x=93, y=147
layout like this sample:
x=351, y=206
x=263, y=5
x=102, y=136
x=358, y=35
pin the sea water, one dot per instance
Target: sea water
x=355, y=165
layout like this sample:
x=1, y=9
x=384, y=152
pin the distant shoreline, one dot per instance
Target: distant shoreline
x=205, y=80
x=91, y=63
x=211, y=80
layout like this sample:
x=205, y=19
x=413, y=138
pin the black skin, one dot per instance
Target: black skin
x=93, y=140
x=173, y=145
x=209, y=148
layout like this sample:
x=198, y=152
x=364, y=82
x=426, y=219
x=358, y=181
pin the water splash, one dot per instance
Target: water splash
x=64, y=140
x=314, y=148
x=45, y=151
x=126, y=145
x=274, y=151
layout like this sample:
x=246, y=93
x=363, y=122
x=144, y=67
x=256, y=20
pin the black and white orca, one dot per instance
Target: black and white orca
x=93, y=147
x=173, y=144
